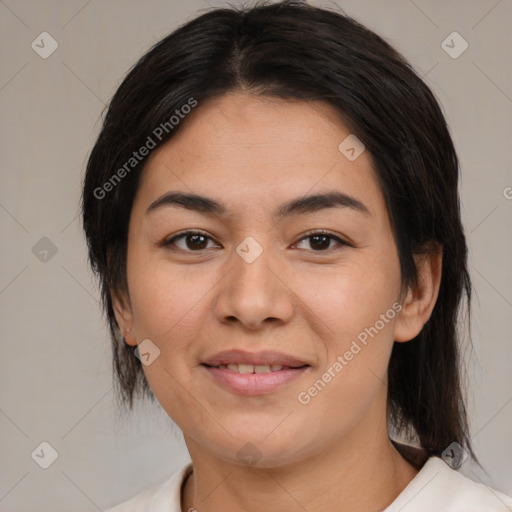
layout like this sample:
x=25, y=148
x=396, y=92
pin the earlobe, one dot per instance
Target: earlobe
x=124, y=318
x=420, y=301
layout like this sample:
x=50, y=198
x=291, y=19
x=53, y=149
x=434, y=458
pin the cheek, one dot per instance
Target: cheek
x=352, y=298
x=152, y=291
x=169, y=300
x=357, y=320
x=167, y=305
x=353, y=308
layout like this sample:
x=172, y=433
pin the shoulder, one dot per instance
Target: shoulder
x=164, y=496
x=439, y=487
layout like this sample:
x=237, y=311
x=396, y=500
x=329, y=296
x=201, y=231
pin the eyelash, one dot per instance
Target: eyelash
x=171, y=242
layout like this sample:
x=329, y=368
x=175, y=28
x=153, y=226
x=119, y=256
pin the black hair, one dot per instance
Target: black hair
x=292, y=50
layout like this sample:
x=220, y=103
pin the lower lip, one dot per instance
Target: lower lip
x=253, y=383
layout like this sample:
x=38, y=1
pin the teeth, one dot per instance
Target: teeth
x=245, y=368
x=250, y=368
x=264, y=368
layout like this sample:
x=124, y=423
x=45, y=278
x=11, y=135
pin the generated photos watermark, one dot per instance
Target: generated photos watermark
x=304, y=397
x=151, y=142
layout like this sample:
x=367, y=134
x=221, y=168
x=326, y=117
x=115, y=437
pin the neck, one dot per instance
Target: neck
x=358, y=472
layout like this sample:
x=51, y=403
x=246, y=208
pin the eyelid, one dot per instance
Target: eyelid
x=313, y=232
x=187, y=232
x=341, y=242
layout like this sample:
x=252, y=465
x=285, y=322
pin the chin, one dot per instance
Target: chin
x=260, y=453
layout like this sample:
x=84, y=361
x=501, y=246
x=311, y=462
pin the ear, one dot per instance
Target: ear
x=124, y=316
x=420, y=301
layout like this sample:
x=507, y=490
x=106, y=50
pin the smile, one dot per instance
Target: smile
x=253, y=380
x=251, y=368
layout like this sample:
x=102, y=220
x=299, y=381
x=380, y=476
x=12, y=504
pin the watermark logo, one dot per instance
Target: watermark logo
x=454, y=45
x=44, y=45
x=44, y=250
x=147, y=352
x=249, y=454
x=454, y=455
x=351, y=147
x=44, y=455
x=249, y=249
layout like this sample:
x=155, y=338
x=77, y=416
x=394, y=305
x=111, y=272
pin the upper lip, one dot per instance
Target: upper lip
x=264, y=357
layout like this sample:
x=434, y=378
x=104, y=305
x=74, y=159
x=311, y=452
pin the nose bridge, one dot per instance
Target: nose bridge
x=252, y=278
x=252, y=291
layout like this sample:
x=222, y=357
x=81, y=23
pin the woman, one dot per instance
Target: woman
x=272, y=210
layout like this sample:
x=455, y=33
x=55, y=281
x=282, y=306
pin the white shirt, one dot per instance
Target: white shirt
x=436, y=488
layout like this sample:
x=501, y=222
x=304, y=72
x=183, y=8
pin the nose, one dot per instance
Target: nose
x=254, y=293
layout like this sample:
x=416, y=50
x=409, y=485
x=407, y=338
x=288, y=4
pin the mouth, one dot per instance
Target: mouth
x=243, y=361
x=253, y=373
x=254, y=368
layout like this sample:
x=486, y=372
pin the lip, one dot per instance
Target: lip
x=253, y=384
x=263, y=357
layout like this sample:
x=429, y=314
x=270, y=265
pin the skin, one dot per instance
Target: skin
x=253, y=154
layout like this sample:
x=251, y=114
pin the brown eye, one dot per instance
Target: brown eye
x=320, y=241
x=194, y=241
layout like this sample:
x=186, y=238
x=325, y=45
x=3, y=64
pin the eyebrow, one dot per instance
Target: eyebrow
x=299, y=206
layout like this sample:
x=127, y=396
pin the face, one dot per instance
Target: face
x=317, y=282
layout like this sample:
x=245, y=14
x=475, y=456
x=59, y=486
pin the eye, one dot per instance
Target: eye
x=320, y=240
x=195, y=241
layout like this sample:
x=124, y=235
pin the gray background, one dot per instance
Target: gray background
x=55, y=371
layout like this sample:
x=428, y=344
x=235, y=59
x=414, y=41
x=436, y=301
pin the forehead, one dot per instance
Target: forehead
x=247, y=150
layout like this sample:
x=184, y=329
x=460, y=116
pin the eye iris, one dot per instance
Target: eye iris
x=196, y=244
x=322, y=245
x=198, y=241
